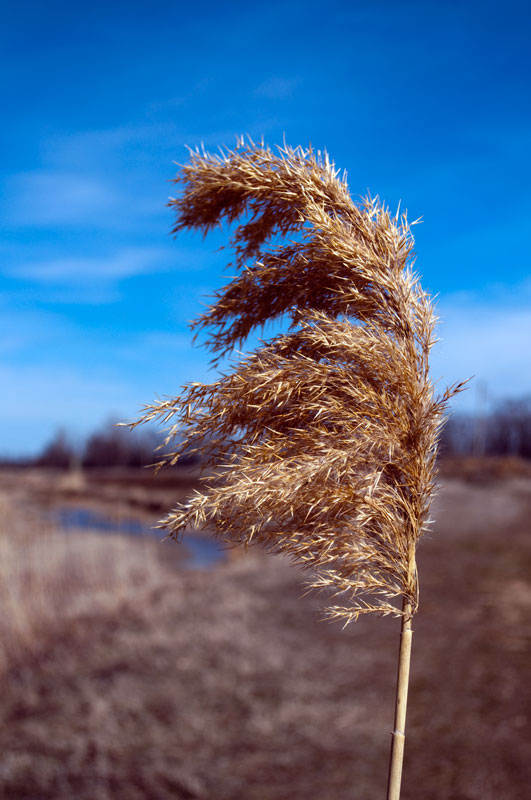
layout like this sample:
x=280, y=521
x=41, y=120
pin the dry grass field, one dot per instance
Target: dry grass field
x=125, y=676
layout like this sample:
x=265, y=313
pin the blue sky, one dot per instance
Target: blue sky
x=423, y=103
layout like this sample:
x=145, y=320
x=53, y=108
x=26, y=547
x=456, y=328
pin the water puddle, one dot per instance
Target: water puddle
x=200, y=551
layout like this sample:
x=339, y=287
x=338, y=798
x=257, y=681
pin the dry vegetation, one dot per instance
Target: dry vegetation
x=149, y=682
x=49, y=578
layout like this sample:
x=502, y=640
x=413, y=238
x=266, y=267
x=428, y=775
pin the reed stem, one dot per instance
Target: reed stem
x=399, y=732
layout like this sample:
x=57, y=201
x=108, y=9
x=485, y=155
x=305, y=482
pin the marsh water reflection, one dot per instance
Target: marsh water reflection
x=200, y=551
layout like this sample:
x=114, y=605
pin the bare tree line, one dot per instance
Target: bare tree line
x=504, y=431
x=110, y=446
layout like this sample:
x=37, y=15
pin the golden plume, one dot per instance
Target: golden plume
x=322, y=443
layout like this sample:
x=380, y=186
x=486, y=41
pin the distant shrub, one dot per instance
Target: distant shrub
x=59, y=453
x=111, y=446
x=118, y=447
x=505, y=431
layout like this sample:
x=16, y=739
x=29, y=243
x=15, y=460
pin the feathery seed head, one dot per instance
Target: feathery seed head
x=322, y=443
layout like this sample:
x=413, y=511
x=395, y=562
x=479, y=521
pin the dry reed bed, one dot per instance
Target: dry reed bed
x=49, y=579
x=114, y=491
x=123, y=698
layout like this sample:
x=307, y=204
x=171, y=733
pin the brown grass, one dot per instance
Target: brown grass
x=224, y=685
x=485, y=469
x=49, y=578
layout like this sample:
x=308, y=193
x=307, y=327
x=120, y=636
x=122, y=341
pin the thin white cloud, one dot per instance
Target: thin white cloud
x=277, y=88
x=67, y=393
x=157, y=141
x=23, y=329
x=487, y=340
x=95, y=278
x=38, y=399
x=95, y=379
x=44, y=198
x=125, y=263
x=104, y=148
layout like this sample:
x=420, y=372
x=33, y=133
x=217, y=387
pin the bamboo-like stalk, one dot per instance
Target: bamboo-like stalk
x=398, y=741
x=396, y=759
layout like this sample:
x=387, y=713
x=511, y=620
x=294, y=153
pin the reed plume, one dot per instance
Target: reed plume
x=321, y=444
